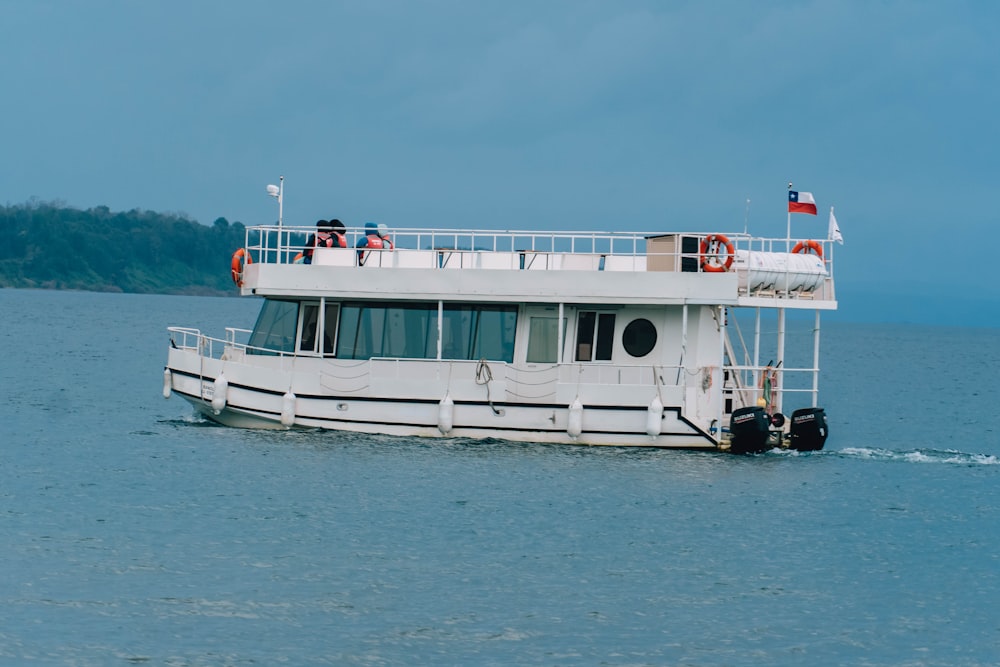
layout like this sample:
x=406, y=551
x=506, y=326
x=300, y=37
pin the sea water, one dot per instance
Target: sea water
x=133, y=532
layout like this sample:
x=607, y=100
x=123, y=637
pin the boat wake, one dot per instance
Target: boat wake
x=192, y=420
x=949, y=456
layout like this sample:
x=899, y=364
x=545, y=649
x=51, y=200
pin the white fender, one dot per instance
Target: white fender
x=654, y=417
x=446, y=414
x=167, y=383
x=288, y=409
x=219, y=393
x=574, y=424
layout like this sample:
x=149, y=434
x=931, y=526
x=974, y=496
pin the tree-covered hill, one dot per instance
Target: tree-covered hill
x=46, y=245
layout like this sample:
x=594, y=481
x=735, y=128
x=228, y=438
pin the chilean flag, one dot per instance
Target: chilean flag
x=801, y=202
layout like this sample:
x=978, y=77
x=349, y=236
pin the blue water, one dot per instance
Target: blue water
x=134, y=533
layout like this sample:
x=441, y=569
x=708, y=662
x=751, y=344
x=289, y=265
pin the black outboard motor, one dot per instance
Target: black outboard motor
x=808, y=431
x=750, y=428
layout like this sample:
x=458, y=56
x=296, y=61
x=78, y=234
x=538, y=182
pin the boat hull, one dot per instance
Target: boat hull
x=241, y=418
x=271, y=400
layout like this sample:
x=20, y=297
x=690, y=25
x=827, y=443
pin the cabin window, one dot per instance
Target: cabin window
x=470, y=331
x=543, y=340
x=378, y=330
x=310, y=326
x=313, y=327
x=275, y=328
x=410, y=330
x=331, y=318
x=639, y=337
x=595, y=336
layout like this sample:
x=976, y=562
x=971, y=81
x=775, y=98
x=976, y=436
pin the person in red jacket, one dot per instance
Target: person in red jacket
x=328, y=235
x=376, y=238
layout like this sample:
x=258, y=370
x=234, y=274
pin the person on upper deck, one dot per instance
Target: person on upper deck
x=339, y=232
x=328, y=235
x=376, y=238
x=317, y=238
x=383, y=233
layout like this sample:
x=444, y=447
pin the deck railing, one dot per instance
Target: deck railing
x=514, y=249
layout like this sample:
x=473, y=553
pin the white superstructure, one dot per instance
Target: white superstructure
x=625, y=339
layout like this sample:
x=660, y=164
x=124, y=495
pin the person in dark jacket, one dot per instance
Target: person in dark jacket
x=339, y=233
x=328, y=235
x=319, y=238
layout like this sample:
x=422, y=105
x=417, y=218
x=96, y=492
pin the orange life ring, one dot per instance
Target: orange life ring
x=807, y=246
x=710, y=246
x=241, y=258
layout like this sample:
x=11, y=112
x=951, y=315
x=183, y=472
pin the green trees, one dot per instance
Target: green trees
x=53, y=246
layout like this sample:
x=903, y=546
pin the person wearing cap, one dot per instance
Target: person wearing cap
x=383, y=233
x=373, y=240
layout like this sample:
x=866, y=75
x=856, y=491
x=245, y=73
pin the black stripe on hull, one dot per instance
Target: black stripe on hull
x=272, y=415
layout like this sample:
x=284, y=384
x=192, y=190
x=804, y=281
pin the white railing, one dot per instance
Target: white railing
x=450, y=248
x=274, y=244
x=795, y=384
x=186, y=338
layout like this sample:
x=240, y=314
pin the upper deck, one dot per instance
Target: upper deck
x=526, y=266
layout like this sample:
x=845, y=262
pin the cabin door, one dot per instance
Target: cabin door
x=317, y=322
x=539, y=339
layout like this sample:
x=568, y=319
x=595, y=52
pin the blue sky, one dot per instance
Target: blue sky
x=577, y=115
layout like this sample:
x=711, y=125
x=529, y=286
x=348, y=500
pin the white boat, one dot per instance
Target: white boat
x=578, y=338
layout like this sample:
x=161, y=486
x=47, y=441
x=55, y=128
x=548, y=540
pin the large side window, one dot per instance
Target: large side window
x=275, y=327
x=410, y=330
x=494, y=339
x=358, y=331
x=595, y=336
x=406, y=331
x=348, y=331
x=478, y=332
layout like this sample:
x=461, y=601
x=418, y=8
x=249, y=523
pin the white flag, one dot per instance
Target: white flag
x=833, y=234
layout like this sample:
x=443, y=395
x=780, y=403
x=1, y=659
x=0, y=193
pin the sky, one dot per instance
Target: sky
x=576, y=115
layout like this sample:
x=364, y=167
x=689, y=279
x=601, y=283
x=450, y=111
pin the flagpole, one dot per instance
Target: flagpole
x=788, y=233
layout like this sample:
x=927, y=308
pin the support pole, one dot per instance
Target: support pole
x=682, y=362
x=440, y=327
x=779, y=376
x=559, y=336
x=756, y=349
x=720, y=373
x=815, y=389
x=281, y=199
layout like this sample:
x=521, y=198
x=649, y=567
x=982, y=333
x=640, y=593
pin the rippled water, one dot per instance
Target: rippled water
x=134, y=533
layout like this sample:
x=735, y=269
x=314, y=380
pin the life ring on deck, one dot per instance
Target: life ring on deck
x=710, y=246
x=241, y=258
x=806, y=246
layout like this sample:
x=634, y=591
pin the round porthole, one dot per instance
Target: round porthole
x=639, y=337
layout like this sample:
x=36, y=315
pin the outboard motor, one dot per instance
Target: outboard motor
x=750, y=428
x=808, y=431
